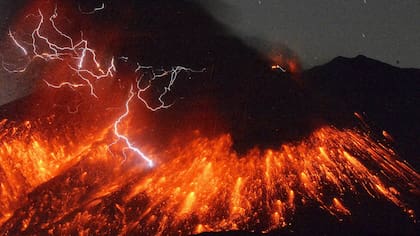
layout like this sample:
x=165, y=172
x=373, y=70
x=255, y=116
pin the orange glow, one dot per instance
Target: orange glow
x=387, y=136
x=278, y=67
x=289, y=64
x=205, y=186
x=64, y=179
x=339, y=207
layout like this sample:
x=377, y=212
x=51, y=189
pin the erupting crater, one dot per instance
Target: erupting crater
x=81, y=169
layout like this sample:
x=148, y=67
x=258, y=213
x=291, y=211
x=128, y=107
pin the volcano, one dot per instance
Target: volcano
x=224, y=144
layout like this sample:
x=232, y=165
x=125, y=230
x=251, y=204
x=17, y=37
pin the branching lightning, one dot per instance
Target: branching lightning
x=205, y=186
x=80, y=57
x=77, y=53
x=157, y=74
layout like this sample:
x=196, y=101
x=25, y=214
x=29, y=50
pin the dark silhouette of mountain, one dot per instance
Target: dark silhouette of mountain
x=388, y=97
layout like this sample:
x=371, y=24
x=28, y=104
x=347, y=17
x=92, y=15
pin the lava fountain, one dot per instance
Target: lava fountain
x=63, y=175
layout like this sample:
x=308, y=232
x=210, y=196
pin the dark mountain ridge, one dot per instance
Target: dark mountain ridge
x=388, y=97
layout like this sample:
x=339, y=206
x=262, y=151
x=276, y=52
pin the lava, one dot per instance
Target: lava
x=64, y=178
x=30, y=158
x=205, y=186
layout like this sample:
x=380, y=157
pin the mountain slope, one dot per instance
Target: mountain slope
x=388, y=97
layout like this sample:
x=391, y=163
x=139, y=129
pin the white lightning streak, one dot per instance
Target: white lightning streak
x=93, y=11
x=124, y=138
x=173, y=73
x=17, y=43
x=71, y=85
x=80, y=53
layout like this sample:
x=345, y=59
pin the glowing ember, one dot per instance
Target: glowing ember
x=54, y=181
x=29, y=158
x=278, y=67
x=205, y=186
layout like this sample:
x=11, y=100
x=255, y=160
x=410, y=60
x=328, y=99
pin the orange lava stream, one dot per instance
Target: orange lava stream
x=52, y=184
x=204, y=186
x=213, y=189
x=28, y=159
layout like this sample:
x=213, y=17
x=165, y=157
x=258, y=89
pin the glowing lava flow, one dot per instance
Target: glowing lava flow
x=29, y=158
x=52, y=185
x=206, y=186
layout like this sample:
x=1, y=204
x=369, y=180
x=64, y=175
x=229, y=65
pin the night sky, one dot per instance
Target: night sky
x=319, y=30
x=314, y=30
x=335, y=132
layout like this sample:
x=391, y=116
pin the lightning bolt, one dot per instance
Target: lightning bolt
x=93, y=11
x=77, y=51
x=157, y=74
x=24, y=51
x=124, y=138
x=63, y=84
x=81, y=56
